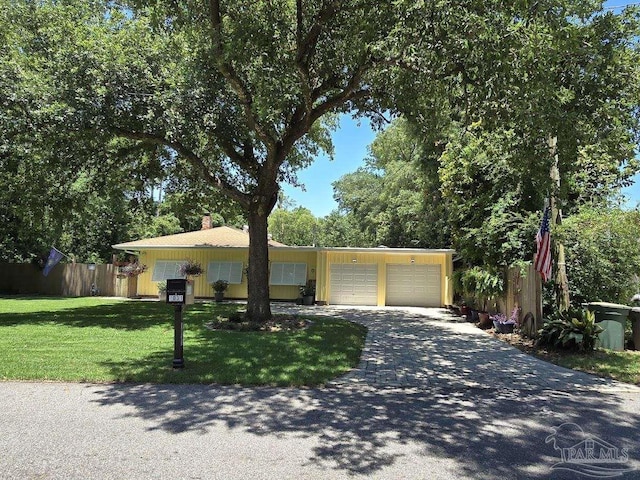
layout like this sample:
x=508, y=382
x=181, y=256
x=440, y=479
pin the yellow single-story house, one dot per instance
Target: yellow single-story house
x=342, y=276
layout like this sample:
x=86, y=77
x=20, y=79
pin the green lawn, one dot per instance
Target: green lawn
x=622, y=366
x=98, y=340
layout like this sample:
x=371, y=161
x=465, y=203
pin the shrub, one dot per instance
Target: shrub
x=575, y=329
x=485, y=286
x=220, y=286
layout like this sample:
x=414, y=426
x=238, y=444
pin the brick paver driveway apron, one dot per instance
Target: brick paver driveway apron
x=433, y=348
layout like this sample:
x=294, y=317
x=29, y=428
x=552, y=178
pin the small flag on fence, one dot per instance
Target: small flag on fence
x=542, y=262
x=54, y=257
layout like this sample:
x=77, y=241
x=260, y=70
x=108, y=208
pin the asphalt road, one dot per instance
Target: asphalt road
x=436, y=430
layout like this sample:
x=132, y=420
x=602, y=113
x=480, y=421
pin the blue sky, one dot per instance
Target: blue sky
x=351, y=140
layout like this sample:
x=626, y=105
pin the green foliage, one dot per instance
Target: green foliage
x=220, y=286
x=491, y=197
x=621, y=366
x=575, y=329
x=603, y=254
x=343, y=230
x=242, y=94
x=307, y=290
x=191, y=268
x=458, y=288
x=481, y=285
x=395, y=200
x=294, y=227
x=154, y=226
x=495, y=169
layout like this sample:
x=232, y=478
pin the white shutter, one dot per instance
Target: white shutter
x=228, y=271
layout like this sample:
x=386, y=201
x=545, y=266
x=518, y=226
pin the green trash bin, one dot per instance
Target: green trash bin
x=612, y=317
x=634, y=316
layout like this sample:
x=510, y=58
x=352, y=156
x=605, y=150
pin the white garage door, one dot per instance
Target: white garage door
x=413, y=285
x=353, y=284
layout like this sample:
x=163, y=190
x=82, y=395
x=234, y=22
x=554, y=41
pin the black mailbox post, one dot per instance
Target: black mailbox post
x=176, y=296
x=176, y=291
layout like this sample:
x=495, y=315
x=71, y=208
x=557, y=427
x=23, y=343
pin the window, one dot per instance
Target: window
x=288, y=274
x=166, y=269
x=228, y=271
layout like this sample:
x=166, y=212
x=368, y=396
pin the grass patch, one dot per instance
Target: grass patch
x=100, y=340
x=622, y=366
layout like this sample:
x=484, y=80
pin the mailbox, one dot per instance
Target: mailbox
x=176, y=291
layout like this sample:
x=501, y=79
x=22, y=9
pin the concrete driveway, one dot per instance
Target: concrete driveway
x=432, y=398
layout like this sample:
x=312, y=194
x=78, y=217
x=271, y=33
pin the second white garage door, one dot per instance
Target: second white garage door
x=353, y=284
x=413, y=285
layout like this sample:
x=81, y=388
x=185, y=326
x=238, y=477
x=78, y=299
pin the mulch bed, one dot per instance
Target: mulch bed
x=527, y=345
x=278, y=323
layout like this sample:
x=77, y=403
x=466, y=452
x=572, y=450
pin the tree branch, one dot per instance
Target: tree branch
x=302, y=63
x=234, y=80
x=306, y=46
x=244, y=160
x=347, y=93
x=188, y=155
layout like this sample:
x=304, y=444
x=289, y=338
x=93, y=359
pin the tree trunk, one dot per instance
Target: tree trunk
x=562, y=283
x=258, y=306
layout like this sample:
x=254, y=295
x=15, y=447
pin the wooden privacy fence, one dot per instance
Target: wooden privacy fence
x=67, y=280
x=525, y=289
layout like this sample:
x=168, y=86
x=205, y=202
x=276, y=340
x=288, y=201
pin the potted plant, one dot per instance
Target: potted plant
x=502, y=324
x=219, y=287
x=191, y=269
x=162, y=291
x=489, y=287
x=131, y=270
x=128, y=275
x=308, y=294
x=469, y=285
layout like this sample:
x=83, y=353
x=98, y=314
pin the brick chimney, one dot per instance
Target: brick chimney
x=206, y=221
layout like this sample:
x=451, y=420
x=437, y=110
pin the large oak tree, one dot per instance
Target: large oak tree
x=237, y=90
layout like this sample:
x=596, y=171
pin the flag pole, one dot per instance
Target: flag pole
x=562, y=282
x=64, y=255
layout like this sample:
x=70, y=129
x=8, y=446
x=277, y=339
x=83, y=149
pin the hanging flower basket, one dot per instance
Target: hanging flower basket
x=131, y=270
x=191, y=269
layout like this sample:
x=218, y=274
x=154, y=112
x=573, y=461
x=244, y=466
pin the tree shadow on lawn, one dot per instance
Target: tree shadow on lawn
x=497, y=429
x=306, y=357
x=125, y=315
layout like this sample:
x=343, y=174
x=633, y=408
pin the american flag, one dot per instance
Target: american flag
x=542, y=262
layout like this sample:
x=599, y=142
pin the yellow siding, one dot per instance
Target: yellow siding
x=322, y=278
x=382, y=259
x=291, y=292
x=205, y=255
x=318, y=264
